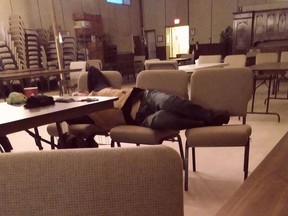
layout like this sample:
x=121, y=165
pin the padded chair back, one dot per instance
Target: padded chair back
x=114, y=78
x=203, y=59
x=235, y=60
x=266, y=57
x=227, y=89
x=92, y=182
x=171, y=81
x=284, y=56
x=97, y=63
x=75, y=75
x=161, y=65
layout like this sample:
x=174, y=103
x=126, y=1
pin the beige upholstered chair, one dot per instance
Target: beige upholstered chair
x=227, y=89
x=161, y=65
x=170, y=81
x=203, y=59
x=98, y=182
x=266, y=57
x=86, y=130
x=235, y=60
x=72, y=83
x=97, y=63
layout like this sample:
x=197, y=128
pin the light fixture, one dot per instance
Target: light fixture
x=176, y=21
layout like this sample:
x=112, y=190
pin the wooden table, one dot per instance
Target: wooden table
x=33, y=73
x=14, y=118
x=194, y=67
x=265, y=191
x=272, y=70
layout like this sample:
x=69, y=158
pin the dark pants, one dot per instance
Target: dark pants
x=5, y=143
x=159, y=110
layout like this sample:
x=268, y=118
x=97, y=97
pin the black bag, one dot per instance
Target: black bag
x=71, y=141
x=39, y=101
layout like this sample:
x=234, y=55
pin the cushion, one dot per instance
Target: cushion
x=220, y=136
x=139, y=134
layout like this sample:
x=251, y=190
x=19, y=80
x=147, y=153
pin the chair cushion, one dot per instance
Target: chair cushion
x=140, y=135
x=85, y=130
x=52, y=129
x=226, y=135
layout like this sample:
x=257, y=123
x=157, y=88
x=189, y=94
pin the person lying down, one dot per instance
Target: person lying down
x=146, y=107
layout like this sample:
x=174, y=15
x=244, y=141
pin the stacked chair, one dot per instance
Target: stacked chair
x=32, y=49
x=69, y=50
x=6, y=57
x=17, y=37
x=170, y=81
x=7, y=62
x=228, y=89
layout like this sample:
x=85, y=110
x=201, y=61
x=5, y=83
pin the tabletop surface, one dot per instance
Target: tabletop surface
x=270, y=66
x=14, y=118
x=265, y=191
x=193, y=67
x=181, y=59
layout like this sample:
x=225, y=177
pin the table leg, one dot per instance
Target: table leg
x=38, y=138
x=254, y=92
x=267, y=99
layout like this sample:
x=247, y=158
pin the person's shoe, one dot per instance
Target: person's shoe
x=220, y=118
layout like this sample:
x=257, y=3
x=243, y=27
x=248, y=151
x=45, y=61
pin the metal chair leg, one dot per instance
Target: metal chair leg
x=186, y=168
x=193, y=159
x=181, y=150
x=246, y=159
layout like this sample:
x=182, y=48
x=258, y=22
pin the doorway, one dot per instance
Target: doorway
x=150, y=37
x=177, y=40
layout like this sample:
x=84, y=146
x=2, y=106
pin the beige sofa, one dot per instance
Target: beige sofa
x=103, y=182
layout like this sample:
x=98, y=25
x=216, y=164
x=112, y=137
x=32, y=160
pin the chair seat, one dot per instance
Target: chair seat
x=52, y=129
x=140, y=135
x=220, y=136
x=85, y=130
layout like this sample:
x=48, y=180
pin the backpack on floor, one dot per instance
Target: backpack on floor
x=71, y=141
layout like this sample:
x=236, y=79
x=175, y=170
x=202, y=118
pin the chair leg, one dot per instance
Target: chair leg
x=1, y=149
x=246, y=159
x=112, y=143
x=186, y=168
x=193, y=159
x=181, y=149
